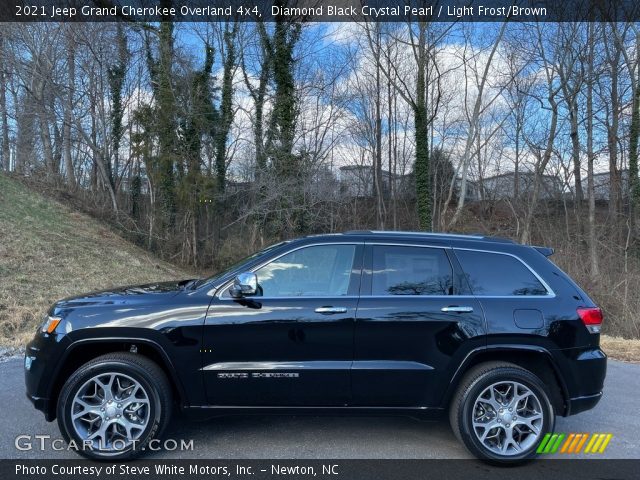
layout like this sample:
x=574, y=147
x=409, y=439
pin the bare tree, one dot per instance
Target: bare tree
x=68, y=106
x=592, y=237
x=548, y=62
x=473, y=118
x=5, y=152
x=571, y=75
x=613, y=107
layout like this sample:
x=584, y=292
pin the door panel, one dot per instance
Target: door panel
x=518, y=304
x=406, y=349
x=292, y=345
x=413, y=331
x=278, y=352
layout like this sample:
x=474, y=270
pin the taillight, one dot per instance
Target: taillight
x=591, y=317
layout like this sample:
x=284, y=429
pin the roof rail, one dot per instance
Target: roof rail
x=427, y=234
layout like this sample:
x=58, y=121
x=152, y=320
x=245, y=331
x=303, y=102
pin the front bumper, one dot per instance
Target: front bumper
x=42, y=404
x=41, y=360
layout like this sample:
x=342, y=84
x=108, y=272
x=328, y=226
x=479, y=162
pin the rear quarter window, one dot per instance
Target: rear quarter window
x=496, y=274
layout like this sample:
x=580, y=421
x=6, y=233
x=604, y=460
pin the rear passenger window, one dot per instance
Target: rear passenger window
x=401, y=270
x=497, y=274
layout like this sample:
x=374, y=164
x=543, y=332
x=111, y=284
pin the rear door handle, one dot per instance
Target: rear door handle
x=331, y=310
x=456, y=309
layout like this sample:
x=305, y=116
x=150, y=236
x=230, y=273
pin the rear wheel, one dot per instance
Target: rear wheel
x=501, y=412
x=113, y=406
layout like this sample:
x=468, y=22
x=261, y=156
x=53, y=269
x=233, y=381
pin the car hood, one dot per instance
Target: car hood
x=124, y=295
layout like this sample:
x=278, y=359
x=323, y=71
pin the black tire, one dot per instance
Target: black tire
x=137, y=367
x=472, y=385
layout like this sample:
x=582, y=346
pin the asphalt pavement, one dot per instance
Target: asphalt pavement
x=311, y=437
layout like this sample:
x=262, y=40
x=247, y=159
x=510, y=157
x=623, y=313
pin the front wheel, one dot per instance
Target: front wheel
x=113, y=406
x=501, y=413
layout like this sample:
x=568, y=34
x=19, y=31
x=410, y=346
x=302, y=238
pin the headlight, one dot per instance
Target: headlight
x=49, y=325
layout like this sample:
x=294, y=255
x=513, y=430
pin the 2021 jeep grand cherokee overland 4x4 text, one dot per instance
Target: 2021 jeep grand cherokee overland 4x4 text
x=486, y=330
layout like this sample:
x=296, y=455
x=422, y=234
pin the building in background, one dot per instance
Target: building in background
x=505, y=186
x=357, y=181
x=472, y=193
x=602, y=184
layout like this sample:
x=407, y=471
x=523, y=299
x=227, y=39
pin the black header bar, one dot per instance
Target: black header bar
x=319, y=10
x=329, y=469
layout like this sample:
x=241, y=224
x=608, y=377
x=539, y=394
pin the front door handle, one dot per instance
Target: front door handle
x=331, y=310
x=456, y=309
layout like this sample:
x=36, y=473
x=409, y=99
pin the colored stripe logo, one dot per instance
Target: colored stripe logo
x=574, y=443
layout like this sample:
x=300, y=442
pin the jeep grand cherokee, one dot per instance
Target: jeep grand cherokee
x=485, y=330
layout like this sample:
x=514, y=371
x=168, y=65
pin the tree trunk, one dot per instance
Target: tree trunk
x=612, y=143
x=47, y=146
x=380, y=209
x=226, y=108
x=5, y=152
x=421, y=123
x=117, y=74
x=540, y=168
x=592, y=238
x=516, y=166
x=473, y=130
x=68, y=109
x=161, y=72
x=577, y=172
x=634, y=135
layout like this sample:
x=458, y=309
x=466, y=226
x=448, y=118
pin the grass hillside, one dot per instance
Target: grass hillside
x=48, y=251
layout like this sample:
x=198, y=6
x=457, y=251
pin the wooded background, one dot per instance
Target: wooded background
x=203, y=142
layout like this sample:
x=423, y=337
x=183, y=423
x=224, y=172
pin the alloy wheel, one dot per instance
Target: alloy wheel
x=507, y=418
x=110, y=412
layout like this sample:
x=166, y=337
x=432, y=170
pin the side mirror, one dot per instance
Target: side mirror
x=244, y=285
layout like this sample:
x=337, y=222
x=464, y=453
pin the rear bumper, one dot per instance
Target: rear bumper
x=580, y=404
x=584, y=372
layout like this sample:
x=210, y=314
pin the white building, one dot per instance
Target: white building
x=357, y=181
x=504, y=186
x=602, y=184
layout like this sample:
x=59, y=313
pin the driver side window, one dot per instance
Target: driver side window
x=315, y=271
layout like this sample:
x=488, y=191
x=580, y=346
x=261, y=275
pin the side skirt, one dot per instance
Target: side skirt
x=211, y=411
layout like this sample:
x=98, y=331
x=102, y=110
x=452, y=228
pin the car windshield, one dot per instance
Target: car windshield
x=236, y=266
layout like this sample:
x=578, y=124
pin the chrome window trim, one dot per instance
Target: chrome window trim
x=324, y=297
x=224, y=287
x=550, y=291
x=449, y=297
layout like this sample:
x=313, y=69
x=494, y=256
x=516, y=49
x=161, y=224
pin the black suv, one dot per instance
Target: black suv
x=484, y=329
